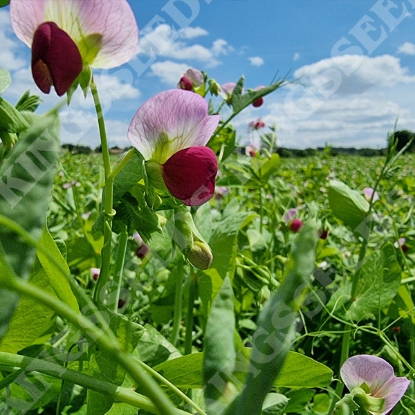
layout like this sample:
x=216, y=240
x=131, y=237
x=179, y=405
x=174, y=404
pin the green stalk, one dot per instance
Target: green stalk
x=108, y=200
x=178, y=294
x=109, y=345
x=114, y=290
x=189, y=317
x=116, y=392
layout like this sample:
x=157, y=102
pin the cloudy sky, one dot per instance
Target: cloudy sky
x=352, y=63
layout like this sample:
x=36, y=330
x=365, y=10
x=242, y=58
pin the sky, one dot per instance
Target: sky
x=350, y=66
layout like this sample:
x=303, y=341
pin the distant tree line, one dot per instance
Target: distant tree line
x=401, y=137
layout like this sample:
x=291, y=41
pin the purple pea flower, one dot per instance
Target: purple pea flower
x=171, y=131
x=376, y=378
x=68, y=36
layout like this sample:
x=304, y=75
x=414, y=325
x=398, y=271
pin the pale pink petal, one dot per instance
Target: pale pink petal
x=368, y=191
x=195, y=76
x=109, y=26
x=171, y=121
x=372, y=370
x=392, y=391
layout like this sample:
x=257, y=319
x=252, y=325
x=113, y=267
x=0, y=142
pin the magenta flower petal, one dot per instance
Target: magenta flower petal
x=105, y=32
x=378, y=375
x=171, y=121
x=55, y=59
x=185, y=83
x=190, y=175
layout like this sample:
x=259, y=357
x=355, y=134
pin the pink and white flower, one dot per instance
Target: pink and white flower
x=191, y=80
x=68, y=36
x=171, y=131
x=376, y=378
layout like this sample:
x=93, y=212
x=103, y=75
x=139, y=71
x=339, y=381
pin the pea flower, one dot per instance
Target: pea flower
x=368, y=192
x=171, y=131
x=372, y=382
x=191, y=80
x=400, y=243
x=256, y=125
x=69, y=36
x=227, y=90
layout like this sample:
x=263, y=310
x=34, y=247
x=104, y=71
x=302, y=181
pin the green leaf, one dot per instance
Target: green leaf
x=31, y=319
x=11, y=119
x=298, y=371
x=219, y=355
x=4, y=3
x=103, y=367
x=378, y=284
x=276, y=324
x=347, y=205
x=223, y=241
x=26, y=180
x=274, y=404
x=57, y=280
x=153, y=348
x=5, y=78
x=263, y=169
x=129, y=176
x=240, y=101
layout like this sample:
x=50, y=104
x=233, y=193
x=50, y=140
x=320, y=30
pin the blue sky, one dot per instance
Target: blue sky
x=354, y=61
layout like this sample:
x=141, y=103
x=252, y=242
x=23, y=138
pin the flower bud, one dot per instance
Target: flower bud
x=258, y=102
x=296, y=224
x=200, y=256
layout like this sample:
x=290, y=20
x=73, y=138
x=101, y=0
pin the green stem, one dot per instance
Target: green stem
x=128, y=156
x=177, y=391
x=108, y=344
x=100, y=289
x=114, y=290
x=116, y=392
x=188, y=340
x=177, y=319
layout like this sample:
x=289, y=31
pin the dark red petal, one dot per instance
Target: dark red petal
x=185, y=83
x=190, y=175
x=55, y=59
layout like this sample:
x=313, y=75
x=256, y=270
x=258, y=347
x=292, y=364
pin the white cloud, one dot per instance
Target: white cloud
x=192, y=32
x=169, y=72
x=165, y=42
x=256, y=61
x=407, y=48
x=221, y=47
x=296, y=56
x=352, y=74
x=308, y=115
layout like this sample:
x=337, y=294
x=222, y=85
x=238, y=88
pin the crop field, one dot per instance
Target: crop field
x=249, y=227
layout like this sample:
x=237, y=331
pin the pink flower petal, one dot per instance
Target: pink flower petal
x=171, y=121
x=196, y=77
x=190, y=175
x=105, y=32
x=55, y=59
x=392, y=391
x=371, y=370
